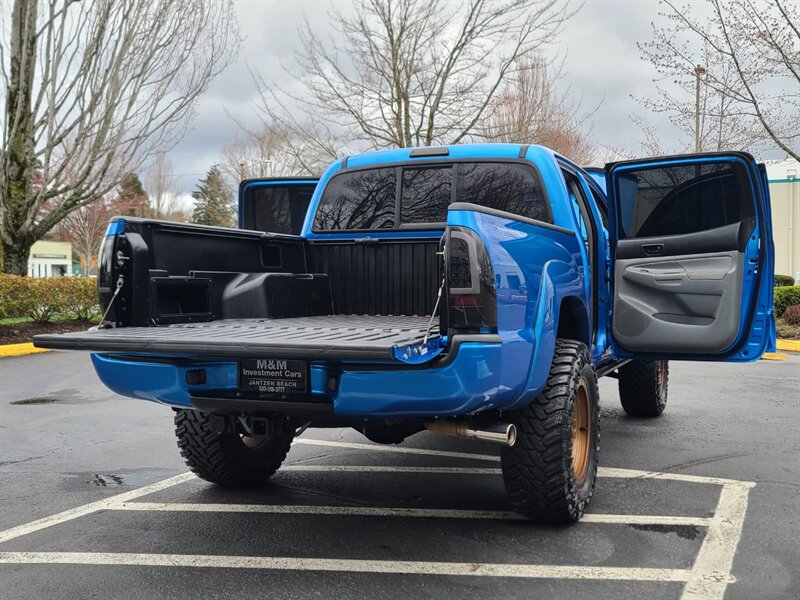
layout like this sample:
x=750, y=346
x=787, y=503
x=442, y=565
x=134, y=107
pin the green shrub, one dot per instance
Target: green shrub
x=785, y=297
x=792, y=315
x=44, y=299
x=12, y=290
x=783, y=280
x=82, y=297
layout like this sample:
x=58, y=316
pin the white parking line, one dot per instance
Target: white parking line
x=348, y=565
x=87, y=509
x=707, y=579
x=609, y=472
x=637, y=474
x=395, y=449
x=712, y=567
x=375, y=511
x=390, y=469
x=711, y=571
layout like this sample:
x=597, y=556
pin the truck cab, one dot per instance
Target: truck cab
x=472, y=290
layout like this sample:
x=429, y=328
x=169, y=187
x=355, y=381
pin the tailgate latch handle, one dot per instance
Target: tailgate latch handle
x=368, y=241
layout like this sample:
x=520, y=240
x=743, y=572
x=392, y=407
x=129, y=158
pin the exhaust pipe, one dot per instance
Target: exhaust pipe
x=497, y=433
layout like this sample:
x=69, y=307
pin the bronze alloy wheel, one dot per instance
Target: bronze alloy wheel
x=580, y=432
x=662, y=376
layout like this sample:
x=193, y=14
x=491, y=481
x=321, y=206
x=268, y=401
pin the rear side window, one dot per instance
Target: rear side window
x=682, y=199
x=508, y=187
x=358, y=200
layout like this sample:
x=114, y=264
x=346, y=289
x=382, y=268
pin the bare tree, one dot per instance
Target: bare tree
x=84, y=227
x=162, y=186
x=531, y=110
x=265, y=153
x=90, y=90
x=737, y=65
x=407, y=72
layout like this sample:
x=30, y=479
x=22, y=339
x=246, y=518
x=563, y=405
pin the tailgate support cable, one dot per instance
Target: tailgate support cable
x=433, y=316
x=120, y=281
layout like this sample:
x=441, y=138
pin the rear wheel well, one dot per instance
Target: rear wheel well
x=573, y=321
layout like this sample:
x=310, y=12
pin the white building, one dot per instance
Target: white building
x=50, y=259
x=784, y=191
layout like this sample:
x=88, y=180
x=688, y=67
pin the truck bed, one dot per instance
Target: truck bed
x=353, y=337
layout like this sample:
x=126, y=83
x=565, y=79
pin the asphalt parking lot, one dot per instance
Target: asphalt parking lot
x=96, y=502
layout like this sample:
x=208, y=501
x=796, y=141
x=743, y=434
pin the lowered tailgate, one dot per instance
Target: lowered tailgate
x=353, y=337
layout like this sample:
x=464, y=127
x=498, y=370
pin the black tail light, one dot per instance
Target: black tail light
x=471, y=297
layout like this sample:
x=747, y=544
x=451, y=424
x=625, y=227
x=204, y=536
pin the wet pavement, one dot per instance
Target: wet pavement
x=702, y=502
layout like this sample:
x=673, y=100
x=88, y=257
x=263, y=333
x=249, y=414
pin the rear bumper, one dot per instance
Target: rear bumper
x=470, y=378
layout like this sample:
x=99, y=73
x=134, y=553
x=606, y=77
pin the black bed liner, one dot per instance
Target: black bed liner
x=337, y=336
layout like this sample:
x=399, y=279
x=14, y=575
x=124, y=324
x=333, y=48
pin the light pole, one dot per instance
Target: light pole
x=791, y=174
x=698, y=72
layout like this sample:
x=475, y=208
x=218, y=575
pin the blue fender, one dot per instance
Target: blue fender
x=560, y=280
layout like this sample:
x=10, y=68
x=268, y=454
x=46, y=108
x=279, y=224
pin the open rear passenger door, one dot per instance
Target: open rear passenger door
x=275, y=205
x=693, y=258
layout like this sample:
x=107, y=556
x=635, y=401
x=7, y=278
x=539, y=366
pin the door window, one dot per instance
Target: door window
x=675, y=200
x=277, y=208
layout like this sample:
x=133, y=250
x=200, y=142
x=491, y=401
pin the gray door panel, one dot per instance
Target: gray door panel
x=687, y=303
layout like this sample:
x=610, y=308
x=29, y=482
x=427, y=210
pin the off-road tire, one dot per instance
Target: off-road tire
x=226, y=458
x=540, y=479
x=643, y=388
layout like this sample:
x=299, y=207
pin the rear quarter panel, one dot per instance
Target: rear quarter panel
x=544, y=261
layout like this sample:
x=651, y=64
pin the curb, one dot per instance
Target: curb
x=789, y=345
x=7, y=350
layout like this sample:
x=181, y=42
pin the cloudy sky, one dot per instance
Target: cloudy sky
x=603, y=66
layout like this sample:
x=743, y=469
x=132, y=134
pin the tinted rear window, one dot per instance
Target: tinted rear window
x=425, y=195
x=367, y=199
x=358, y=200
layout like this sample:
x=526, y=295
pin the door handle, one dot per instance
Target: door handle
x=652, y=249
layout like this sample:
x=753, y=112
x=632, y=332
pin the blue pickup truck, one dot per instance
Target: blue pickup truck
x=476, y=291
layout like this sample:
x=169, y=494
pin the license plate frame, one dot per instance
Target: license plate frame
x=274, y=377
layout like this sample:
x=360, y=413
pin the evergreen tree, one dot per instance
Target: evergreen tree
x=131, y=198
x=214, y=204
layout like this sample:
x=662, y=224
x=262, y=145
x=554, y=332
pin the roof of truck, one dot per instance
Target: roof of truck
x=454, y=151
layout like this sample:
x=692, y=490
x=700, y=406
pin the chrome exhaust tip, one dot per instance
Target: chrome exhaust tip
x=504, y=434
